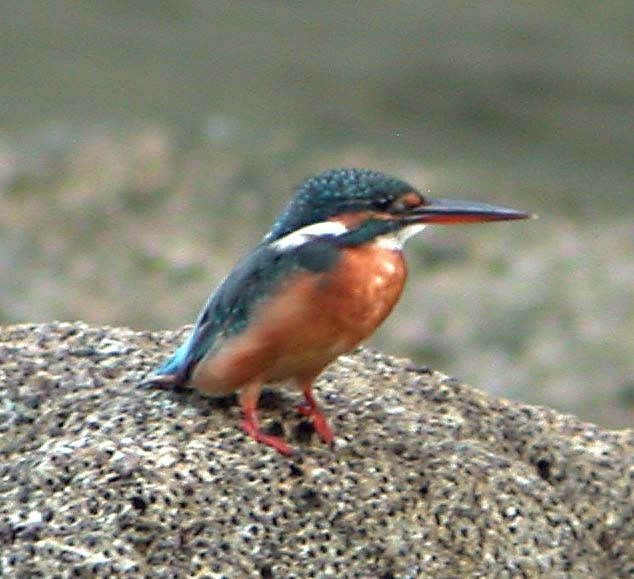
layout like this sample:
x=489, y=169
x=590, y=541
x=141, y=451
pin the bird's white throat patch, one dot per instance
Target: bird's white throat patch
x=396, y=240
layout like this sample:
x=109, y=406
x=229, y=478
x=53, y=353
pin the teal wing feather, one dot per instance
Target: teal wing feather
x=230, y=308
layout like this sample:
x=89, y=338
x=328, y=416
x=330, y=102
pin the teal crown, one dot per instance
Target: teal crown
x=334, y=192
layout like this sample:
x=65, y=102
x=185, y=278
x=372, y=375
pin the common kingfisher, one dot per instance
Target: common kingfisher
x=323, y=279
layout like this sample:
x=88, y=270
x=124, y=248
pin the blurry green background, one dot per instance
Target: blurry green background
x=146, y=145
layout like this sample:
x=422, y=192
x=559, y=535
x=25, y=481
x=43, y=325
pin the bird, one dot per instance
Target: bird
x=322, y=280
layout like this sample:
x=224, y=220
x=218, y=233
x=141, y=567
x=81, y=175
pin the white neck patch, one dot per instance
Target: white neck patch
x=308, y=233
x=393, y=241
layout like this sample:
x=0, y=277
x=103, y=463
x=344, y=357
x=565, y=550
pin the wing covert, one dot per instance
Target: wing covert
x=252, y=282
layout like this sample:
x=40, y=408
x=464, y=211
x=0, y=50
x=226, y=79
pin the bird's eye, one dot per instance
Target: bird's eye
x=382, y=204
x=405, y=202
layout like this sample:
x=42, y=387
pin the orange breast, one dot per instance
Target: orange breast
x=361, y=292
x=316, y=318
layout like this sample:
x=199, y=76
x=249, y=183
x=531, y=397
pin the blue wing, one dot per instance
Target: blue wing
x=230, y=307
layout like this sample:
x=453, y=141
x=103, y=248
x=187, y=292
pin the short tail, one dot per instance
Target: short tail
x=175, y=372
x=166, y=381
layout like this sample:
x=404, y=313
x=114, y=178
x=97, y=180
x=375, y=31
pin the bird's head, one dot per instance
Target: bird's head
x=370, y=204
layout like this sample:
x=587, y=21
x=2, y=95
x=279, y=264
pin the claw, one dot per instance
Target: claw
x=311, y=409
x=249, y=401
x=321, y=427
x=305, y=409
x=253, y=430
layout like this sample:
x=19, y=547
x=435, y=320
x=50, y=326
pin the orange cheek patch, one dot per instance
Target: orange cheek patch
x=411, y=200
x=353, y=220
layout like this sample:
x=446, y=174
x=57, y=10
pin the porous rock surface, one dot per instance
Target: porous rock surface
x=429, y=478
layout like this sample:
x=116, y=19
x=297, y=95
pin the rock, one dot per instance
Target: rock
x=430, y=478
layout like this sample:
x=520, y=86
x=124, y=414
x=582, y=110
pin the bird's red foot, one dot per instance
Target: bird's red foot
x=249, y=400
x=318, y=418
x=253, y=430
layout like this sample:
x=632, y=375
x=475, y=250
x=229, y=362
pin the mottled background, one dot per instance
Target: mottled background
x=145, y=146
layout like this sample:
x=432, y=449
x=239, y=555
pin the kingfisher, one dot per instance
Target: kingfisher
x=321, y=281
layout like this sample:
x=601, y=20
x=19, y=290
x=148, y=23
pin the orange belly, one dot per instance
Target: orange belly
x=316, y=318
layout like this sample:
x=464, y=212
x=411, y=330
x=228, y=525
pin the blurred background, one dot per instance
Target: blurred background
x=145, y=146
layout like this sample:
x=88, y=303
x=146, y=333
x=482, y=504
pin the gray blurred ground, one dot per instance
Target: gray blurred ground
x=429, y=478
x=146, y=146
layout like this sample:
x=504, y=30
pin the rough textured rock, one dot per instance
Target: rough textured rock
x=430, y=478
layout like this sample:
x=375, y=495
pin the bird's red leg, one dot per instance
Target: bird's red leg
x=249, y=396
x=311, y=409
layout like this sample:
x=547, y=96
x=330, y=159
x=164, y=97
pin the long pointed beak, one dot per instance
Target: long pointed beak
x=451, y=211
